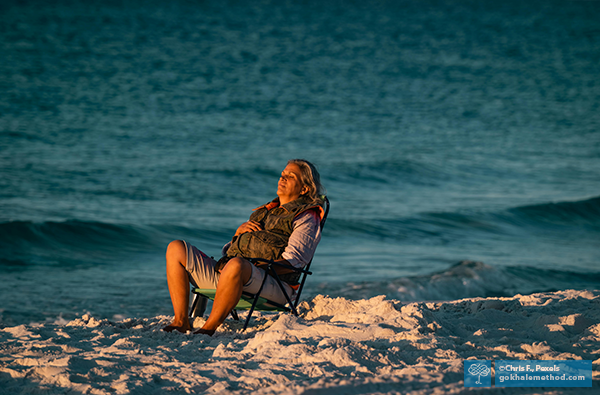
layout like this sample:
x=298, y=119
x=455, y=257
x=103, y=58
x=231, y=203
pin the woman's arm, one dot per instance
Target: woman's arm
x=304, y=239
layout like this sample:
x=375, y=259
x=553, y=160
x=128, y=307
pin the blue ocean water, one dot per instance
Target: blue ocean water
x=459, y=143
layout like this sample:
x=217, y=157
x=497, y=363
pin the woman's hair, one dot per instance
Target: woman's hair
x=310, y=178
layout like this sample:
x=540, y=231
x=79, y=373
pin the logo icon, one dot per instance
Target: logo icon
x=478, y=373
x=479, y=369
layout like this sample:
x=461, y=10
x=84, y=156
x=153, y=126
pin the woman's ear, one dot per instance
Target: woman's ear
x=305, y=190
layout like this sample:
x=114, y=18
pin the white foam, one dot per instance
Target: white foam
x=336, y=345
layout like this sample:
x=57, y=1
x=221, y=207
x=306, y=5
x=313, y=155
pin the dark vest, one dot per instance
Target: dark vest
x=270, y=242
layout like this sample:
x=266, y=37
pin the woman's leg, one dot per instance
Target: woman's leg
x=179, y=286
x=234, y=275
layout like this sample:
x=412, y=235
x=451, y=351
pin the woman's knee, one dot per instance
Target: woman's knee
x=234, y=265
x=176, y=251
x=238, y=267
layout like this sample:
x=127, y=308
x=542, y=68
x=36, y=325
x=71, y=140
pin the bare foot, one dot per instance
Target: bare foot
x=204, y=332
x=182, y=329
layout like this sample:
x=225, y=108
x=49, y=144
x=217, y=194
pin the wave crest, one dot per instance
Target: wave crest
x=451, y=225
x=583, y=212
x=73, y=242
x=469, y=279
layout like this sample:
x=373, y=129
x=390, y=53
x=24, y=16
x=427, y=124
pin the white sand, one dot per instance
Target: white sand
x=337, y=346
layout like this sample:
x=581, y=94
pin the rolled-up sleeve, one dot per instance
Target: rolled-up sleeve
x=304, y=239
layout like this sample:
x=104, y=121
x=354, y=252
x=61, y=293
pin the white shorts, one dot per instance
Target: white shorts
x=201, y=269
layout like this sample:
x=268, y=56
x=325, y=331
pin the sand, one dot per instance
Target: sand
x=336, y=346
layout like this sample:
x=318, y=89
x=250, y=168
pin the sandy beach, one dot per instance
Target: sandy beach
x=336, y=346
x=459, y=144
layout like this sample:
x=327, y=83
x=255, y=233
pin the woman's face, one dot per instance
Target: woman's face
x=290, y=187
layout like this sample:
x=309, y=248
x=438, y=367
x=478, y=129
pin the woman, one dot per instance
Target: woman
x=285, y=230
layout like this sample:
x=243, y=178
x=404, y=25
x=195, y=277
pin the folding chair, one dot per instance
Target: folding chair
x=254, y=302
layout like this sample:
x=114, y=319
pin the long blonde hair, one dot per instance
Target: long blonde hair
x=310, y=177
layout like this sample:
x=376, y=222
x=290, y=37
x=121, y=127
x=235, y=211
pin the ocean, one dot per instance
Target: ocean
x=459, y=143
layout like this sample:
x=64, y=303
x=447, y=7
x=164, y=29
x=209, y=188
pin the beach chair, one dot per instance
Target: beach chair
x=255, y=302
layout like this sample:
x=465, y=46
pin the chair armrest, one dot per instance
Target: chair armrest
x=271, y=263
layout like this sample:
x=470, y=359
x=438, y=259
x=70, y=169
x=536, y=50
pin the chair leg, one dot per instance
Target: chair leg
x=198, y=306
x=287, y=297
x=254, y=302
x=235, y=315
x=194, y=304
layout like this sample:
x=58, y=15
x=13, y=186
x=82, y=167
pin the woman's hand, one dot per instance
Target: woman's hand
x=250, y=226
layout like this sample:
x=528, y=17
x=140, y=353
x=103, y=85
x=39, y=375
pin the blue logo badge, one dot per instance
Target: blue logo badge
x=478, y=373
